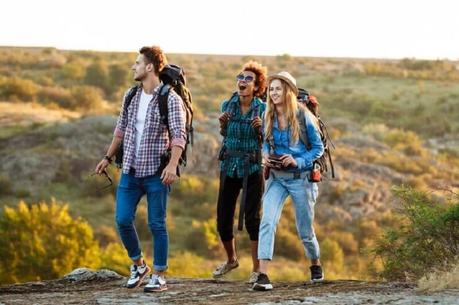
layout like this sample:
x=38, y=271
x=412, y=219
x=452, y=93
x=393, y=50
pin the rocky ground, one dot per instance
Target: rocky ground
x=103, y=287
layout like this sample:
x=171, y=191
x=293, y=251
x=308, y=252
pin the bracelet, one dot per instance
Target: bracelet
x=108, y=159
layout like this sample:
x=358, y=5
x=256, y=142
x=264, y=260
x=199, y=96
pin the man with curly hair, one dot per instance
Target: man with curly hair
x=145, y=172
x=240, y=156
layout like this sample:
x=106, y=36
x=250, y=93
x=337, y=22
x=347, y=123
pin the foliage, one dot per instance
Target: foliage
x=86, y=98
x=43, y=241
x=187, y=264
x=427, y=237
x=97, y=75
x=6, y=186
x=18, y=89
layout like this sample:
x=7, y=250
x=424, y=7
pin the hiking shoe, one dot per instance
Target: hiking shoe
x=138, y=273
x=225, y=268
x=253, y=277
x=157, y=283
x=262, y=283
x=317, y=274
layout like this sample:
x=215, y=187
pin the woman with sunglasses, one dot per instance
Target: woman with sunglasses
x=286, y=125
x=240, y=156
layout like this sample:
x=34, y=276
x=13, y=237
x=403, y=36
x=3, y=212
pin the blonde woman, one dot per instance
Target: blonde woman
x=290, y=162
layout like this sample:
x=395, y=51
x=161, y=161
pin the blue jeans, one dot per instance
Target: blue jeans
x=130, y=190
x=304, y=195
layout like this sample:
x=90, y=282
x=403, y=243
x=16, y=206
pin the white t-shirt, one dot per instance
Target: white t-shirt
x=140, y=120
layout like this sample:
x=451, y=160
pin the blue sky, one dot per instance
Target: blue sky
x=329, y=28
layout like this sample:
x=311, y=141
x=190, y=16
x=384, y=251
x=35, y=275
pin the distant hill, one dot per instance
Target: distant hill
x=393, y=122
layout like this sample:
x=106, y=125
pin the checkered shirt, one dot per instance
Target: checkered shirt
x=155, y=139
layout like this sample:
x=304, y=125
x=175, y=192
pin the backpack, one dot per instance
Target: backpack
x=173, y=78
x=311, y=103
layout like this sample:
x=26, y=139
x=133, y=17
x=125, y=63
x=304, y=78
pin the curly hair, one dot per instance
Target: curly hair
x=154, y=55
x=261, y=79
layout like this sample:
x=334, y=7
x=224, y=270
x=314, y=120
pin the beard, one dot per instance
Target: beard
x=140, y=77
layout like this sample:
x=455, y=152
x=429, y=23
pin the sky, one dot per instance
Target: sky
x=424, y=29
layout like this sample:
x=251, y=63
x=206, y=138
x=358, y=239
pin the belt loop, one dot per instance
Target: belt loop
x=296, y=175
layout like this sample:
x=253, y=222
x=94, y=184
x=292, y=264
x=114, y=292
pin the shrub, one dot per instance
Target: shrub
x=43, y=241
x=61, y=96
x=6, y=186
x=97, y=74
x=426, y=239
x=86, y=97
x=17, y=88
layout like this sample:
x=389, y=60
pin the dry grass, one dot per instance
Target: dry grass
x=26, y=114
x=441, y=280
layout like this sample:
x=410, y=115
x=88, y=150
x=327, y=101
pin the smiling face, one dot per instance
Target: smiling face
x=276, y=92
x=246, y=84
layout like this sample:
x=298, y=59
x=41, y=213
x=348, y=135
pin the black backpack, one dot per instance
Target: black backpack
x=311, y=103
x=173, y=78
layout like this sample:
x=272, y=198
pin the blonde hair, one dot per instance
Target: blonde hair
x=291, y=106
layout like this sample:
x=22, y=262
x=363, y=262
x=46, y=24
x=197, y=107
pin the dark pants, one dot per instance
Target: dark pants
x=227, y=204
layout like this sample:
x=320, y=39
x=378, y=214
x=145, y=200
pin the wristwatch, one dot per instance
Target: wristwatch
x=108, y=159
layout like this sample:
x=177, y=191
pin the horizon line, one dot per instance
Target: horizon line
x=235, y=55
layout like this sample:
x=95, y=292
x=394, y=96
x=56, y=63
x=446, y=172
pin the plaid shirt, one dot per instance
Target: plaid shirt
x=240, y=135
x=155, y=139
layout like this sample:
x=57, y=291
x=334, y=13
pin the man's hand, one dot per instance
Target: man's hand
x=288, y=160
x=100, y=168
x=169, y=174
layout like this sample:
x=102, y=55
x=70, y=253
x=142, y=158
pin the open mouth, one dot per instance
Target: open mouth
x=242, y=87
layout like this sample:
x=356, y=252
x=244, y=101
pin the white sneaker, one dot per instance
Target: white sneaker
x=157, y=283
x=225, y=268
x=138, y=273
x=253, y=277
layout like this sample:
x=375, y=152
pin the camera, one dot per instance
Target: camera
x=275, y=161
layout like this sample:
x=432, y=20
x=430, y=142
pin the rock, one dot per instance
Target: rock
x=85, y=274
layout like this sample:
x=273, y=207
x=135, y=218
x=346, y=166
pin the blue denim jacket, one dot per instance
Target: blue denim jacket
x=303, y=157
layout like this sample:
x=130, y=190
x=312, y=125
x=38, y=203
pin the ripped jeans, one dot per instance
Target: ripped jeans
x=304, y=195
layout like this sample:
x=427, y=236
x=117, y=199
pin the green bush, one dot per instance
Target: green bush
x=17, y=88
x=86, y=98
x=426, y=239
x=43, y=241
x=97, y=74
x=6, y=186
x=58, y=95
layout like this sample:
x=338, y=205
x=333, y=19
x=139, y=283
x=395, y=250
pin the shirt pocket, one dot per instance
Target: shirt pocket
x=155, y=126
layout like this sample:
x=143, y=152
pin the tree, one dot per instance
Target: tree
x=42, y=241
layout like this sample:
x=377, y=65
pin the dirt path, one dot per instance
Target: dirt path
x=202, y=291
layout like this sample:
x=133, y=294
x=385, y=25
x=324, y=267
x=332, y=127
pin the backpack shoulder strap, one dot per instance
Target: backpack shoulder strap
x=232, y=103
x=163, y=96
x=301, y=117
x=129, y=96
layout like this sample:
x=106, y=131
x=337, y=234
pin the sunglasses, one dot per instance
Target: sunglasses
x=247, y=78
x=110, y=181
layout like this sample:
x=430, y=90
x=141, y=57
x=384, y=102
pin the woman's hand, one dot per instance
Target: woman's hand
x=256, y=125
x=224, y=118
x=288, y=160
x=265, y=160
